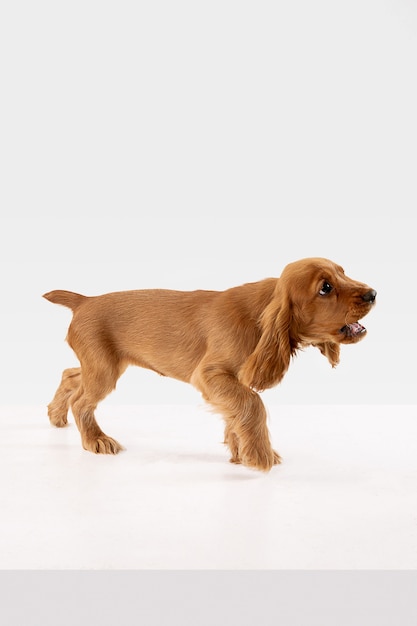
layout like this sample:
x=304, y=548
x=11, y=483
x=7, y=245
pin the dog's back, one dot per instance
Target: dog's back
x=164, y=330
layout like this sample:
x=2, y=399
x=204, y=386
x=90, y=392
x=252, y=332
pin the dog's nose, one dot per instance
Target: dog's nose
x=369, y=296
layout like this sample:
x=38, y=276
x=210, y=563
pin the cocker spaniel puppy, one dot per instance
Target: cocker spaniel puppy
x=229, y=344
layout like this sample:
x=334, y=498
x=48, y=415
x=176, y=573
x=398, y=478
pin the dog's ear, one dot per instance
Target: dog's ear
x=270, y=360
x=331, y=351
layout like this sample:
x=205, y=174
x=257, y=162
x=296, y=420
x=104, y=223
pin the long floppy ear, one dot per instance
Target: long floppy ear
x=268, y=363
x=331, y=351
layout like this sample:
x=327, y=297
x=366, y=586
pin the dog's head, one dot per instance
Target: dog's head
x=327, y=306
x=314, y=303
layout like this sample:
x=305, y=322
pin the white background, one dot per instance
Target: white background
x=202, y=145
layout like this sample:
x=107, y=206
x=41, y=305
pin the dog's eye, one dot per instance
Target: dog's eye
x=326, y=289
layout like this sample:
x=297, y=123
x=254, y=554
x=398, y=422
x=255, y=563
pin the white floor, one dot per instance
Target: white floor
x=344, y=498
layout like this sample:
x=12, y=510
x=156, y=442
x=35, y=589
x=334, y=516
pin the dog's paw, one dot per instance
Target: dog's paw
x=260, y=459
x=103, y=445
x=57, y=417
x=277, y=458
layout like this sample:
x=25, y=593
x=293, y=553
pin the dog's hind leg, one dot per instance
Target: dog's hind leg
x=96, y=383
x=58, y=407
x=246, y=431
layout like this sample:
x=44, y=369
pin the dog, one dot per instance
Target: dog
x=230, y=345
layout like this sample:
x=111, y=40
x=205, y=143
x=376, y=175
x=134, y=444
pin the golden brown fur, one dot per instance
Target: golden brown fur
x=228, y=344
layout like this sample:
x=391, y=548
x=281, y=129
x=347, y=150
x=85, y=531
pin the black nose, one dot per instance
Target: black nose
x=369, y=296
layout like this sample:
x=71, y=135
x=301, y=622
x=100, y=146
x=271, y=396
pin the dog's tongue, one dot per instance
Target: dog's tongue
x=354, y=329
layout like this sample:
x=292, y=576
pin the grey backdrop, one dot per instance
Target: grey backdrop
x=186, y=146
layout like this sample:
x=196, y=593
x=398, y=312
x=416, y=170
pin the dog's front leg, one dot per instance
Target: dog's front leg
x=246, y=431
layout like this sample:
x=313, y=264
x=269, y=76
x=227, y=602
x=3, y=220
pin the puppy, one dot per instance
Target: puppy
x=229, y=344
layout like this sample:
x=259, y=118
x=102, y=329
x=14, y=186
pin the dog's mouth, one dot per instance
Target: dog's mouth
x=353, y=331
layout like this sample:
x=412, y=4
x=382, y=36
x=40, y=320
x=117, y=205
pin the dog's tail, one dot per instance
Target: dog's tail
x=66, y=298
